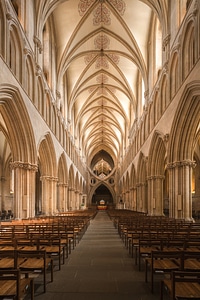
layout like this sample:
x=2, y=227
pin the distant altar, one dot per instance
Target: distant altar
x=102, y=205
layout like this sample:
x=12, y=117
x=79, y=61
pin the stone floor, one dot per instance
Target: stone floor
x=99, y=268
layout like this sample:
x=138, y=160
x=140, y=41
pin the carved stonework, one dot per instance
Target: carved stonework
x=84, y=5
x=166, y=138
x=58, y=94
x=102, y=91
x=26, y=51
x=179, y=164
x=102, y=78
x=195, y=10
x=38, y=71
x=89, y=58
x=102, y=62
x=9, y=16
x=156, y=177
x=114, y=58
x=49, y=178
x=101, y=15
x=166, y=67
x=21, y=165
x=102, y=42
x=166, y=41
x=63, y=185
x=38, y=43
x=91, y=89
x=119, y=5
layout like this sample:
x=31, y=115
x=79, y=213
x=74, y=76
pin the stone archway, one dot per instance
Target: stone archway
x=102, y=193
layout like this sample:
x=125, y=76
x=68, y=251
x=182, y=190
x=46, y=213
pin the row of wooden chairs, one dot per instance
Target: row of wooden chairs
x=36, y=247
x=28, y=262
x=181, y=285
x=166, y=246
x=13, y=285
x=167, y=261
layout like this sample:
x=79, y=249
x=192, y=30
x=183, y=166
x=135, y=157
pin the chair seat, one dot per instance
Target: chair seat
x=6, y=263
x=184, y=289
x=8, y=287
x=165, y=264
x=192, y=264
x=34, y=263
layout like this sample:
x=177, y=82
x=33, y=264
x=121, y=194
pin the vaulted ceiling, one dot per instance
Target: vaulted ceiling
x=102, y=51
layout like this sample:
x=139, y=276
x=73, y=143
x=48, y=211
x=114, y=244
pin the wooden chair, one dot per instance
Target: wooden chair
x=162, y=262
x=181, y=285
x=13, y=286
x=7, y=243
x=25, y=244
x=7, y=259
x=146, y=246
x=191, y=261
x=35, y=261
x=53, y=247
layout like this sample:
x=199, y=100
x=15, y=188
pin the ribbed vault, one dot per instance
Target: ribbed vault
x=102, y=66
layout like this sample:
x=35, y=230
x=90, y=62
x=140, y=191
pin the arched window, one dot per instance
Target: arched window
x=15, y=62
x=174, y=74
x=188, y=54
x=158, y=46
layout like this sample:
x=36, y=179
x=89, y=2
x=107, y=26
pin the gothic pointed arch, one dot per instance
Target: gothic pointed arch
x=141, y=168
x=157, y=155
x=103, y=185
x=62, y=184
x=142, y=183
x=133, y=187
x=18, y=158
x=71, y=177
x=18, y=124
x=156, y=174
x=127, y=191
x=2, y=30
x=182, y=142
x=185, y=125
x=77, y=182
x=48, y=176
x=62, y=169
x=47, y=156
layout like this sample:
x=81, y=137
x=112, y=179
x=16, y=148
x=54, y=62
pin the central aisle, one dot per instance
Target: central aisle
x=99, y=268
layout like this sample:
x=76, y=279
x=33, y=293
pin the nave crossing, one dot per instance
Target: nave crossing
x=99, y=268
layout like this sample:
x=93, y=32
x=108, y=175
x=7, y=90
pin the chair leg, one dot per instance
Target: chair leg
x=32, y=289
x=161, y=290
x=146, y=269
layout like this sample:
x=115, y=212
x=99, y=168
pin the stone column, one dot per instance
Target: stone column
x=127, y=200
x=134, y=197
x=155, y=195
x=2, y=196
x=71, y=199
x=141, y=197
x=62, y=197
x=180, y=189
x=76, y=204
x=65, y=197
x=124, y=199
x=138, y=199
x=24, y=189
x=49, y=195
x=131, y=198
x=80, y=198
